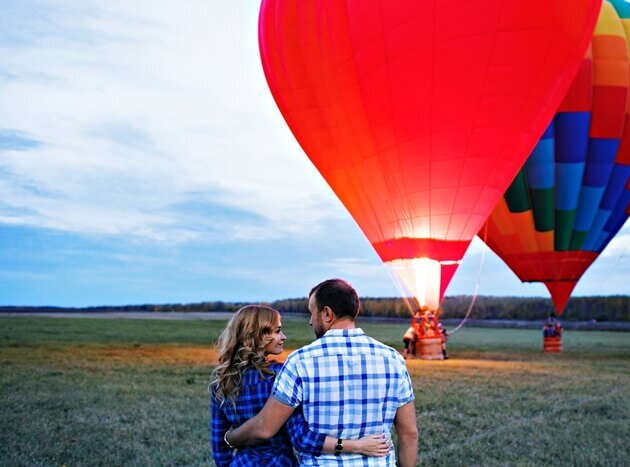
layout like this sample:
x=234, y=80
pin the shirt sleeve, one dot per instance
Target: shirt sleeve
x=219, y=424
x=405, y=388
x=287, y=387
x=304, y=439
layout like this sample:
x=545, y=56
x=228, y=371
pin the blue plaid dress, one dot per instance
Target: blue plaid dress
x=278, y=451
x=349, y=385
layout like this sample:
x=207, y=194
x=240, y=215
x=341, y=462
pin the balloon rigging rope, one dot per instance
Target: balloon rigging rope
x=474, y=297
x=614, y=267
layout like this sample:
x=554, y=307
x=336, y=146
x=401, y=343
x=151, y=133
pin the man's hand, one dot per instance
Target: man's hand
x=263, y=426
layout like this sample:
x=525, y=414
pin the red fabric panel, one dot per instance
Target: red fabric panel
x=550, y=266
x=579, y=97
x=623, y=154
x=447, y=273
x=560, y=293
x=419, y=114
x=408, y=248
x=609, y=109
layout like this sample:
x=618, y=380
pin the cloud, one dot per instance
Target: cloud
x=146, y=130
x=12, y=140
x=145, y=108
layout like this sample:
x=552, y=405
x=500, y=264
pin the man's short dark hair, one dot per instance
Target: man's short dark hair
x=337, y=294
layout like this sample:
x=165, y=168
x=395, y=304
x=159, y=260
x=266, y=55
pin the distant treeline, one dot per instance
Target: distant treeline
x=609, y=308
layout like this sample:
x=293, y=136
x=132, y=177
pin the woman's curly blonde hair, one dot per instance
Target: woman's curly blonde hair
x=241, y=345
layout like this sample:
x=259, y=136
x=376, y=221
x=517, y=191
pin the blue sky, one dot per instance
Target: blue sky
x=143, y=160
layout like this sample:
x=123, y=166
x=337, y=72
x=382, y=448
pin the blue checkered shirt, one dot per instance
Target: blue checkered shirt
x=349, y=385
x=278, y=451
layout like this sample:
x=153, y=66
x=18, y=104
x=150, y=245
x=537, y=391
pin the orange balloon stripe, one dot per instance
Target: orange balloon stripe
x=501, y=220
x=625, y=22
x=526, y=231
x=612, y=72
x=544, y=240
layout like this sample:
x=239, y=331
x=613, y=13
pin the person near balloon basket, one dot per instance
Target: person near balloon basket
x=345, y=382
x=444, y=335
x=552, y=327
x=424, y=324
x=410, y=339
x=242, y=383
x=428, y=325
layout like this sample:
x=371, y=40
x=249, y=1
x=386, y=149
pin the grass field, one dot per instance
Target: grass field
x=123, y=392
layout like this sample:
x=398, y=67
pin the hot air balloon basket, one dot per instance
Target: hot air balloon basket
x=552, y=344
x=429, y=348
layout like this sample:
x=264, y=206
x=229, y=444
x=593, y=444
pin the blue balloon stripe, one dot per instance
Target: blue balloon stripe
x=599, y=243
x=618, y=216
x=568, y=184
x=596, y=229
x=600, y=160
x=539, y=167
x=622, y=7
x=616, y=219
x=597, y=174
x=602, y=150
x=616, y=184
x=571, y=130
x=587, y=208
x=549, y=131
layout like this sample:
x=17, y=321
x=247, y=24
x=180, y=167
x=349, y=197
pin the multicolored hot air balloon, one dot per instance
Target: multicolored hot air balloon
x=573, y=194
x=419, y=113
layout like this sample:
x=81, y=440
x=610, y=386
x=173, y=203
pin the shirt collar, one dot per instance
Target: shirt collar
x=354, y=332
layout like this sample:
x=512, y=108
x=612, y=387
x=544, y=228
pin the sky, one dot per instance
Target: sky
x=143, y=160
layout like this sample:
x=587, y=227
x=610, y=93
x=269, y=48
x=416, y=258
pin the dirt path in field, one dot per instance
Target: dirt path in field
x=167, y=354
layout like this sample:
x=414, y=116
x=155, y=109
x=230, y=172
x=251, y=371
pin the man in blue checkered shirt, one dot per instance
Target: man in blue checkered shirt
x=349, y=385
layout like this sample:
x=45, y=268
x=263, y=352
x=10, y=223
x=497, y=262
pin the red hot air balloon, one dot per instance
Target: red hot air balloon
x=419, y=113
x=573, y=194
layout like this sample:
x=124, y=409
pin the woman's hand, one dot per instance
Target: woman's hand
x=371, y=445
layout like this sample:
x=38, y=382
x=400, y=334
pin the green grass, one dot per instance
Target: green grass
x=113, y=392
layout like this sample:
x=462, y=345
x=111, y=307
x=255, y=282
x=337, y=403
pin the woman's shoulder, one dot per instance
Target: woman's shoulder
x=273, y=366
x=253, y=375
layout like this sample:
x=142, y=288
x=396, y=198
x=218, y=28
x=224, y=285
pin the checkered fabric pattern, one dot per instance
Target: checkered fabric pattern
x=278, y=450
x=349, y=385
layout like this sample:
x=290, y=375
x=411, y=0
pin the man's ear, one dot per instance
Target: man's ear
x=328, y=314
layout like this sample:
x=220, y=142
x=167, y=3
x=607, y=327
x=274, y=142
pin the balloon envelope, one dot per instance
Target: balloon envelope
x=419, y=113
x=572, y=195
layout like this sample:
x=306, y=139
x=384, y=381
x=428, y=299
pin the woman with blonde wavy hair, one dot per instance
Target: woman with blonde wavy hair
x=240, y=386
